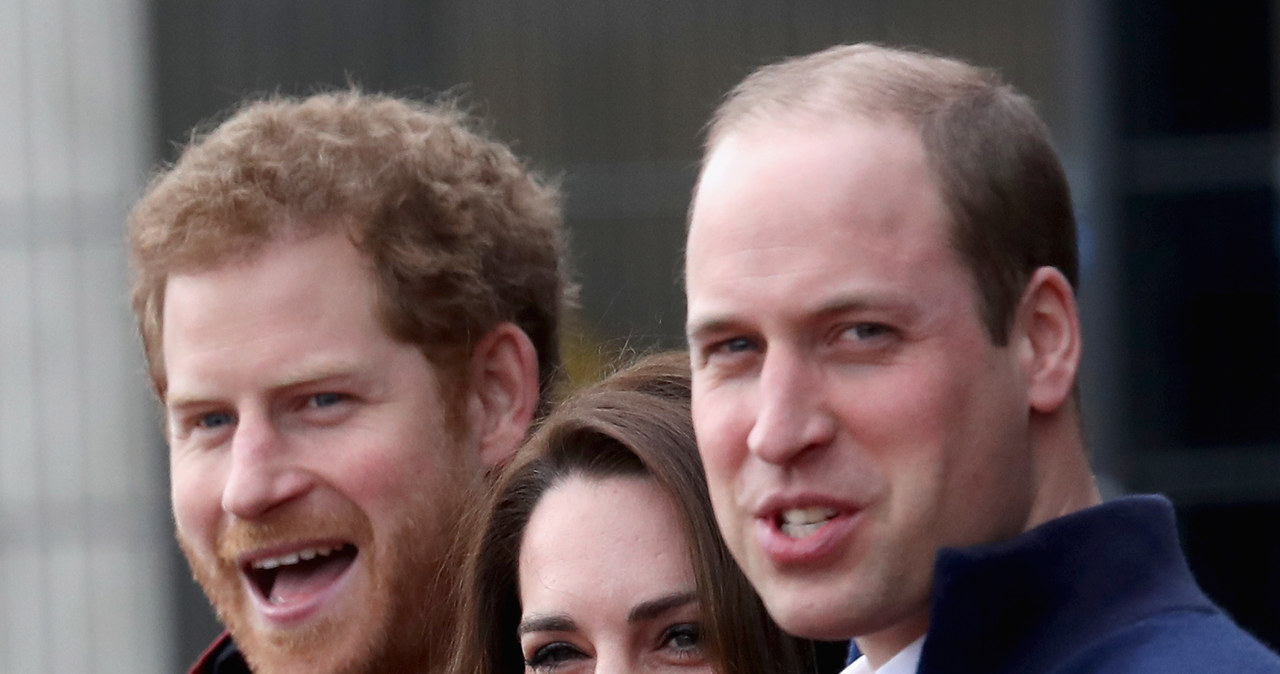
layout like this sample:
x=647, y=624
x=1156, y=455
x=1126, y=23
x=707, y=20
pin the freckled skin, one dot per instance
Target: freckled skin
x=838, y=354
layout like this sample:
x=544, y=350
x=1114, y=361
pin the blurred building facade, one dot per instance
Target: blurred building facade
x=83, y=531
x=1163, y=111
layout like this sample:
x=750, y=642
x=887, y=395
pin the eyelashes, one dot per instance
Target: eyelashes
x=681, y=643
x=552, y=655
x=684, y=639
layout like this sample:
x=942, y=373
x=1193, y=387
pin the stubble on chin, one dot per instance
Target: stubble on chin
x=405, y=625
x=306, y=648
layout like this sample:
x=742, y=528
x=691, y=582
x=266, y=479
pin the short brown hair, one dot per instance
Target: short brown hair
x=634, y=423
x=460, y=234
x=988, y=149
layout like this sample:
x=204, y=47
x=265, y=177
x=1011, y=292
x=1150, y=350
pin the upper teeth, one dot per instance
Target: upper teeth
x=807, y=515
x=293, y=557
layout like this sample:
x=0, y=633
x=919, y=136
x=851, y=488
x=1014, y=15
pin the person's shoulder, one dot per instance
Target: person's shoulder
x=1192, y=641
x=221, y=657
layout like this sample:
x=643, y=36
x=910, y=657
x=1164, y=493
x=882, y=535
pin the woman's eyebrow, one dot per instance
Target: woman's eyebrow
x=655, y=607
x=546, y=623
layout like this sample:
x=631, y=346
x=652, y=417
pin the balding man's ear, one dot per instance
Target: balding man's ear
x=503, y=395
x=1048, y=328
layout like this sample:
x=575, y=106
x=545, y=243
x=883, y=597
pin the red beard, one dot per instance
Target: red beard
x=400, y=625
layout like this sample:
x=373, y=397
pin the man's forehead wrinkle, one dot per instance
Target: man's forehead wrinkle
x=195, y=385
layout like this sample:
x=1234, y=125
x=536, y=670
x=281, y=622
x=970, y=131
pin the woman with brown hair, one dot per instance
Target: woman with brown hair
x=598, y=550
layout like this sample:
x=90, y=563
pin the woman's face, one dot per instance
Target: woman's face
x=606, y=584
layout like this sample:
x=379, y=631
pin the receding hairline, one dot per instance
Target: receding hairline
x=846, y=81
x=981, y=137
x=863, y=83
x=810, y=117
x=811, y=114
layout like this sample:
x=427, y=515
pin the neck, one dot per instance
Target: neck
x=1063, y=484
x=1063, y=479
x=880, y=647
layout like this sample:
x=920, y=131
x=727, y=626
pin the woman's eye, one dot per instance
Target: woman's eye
x=553, y=655
x=685, y=638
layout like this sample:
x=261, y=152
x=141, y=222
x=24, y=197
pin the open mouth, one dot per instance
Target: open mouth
x=300, y=574
x=802, y=522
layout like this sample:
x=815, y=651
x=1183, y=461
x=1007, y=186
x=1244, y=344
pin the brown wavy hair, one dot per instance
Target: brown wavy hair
x=634, y=423
x=459, y=234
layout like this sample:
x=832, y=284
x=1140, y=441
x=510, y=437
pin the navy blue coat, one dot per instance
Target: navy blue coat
x=1102, y=591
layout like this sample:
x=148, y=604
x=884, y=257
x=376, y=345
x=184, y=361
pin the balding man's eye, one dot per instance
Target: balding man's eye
x=327, y=399
x=866, y=331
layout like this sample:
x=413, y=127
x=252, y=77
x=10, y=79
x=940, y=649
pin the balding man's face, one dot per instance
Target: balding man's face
x=851, y=411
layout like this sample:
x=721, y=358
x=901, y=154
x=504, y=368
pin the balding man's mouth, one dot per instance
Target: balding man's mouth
x=801, y=522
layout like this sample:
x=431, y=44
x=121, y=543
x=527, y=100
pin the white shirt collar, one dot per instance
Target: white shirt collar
x=906, y=661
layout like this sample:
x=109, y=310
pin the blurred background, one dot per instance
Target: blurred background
x=1164, y=113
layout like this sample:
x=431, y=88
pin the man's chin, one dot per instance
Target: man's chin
x=310, y=650
x=347, y=635
x=821, y=613
x=368, y=626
